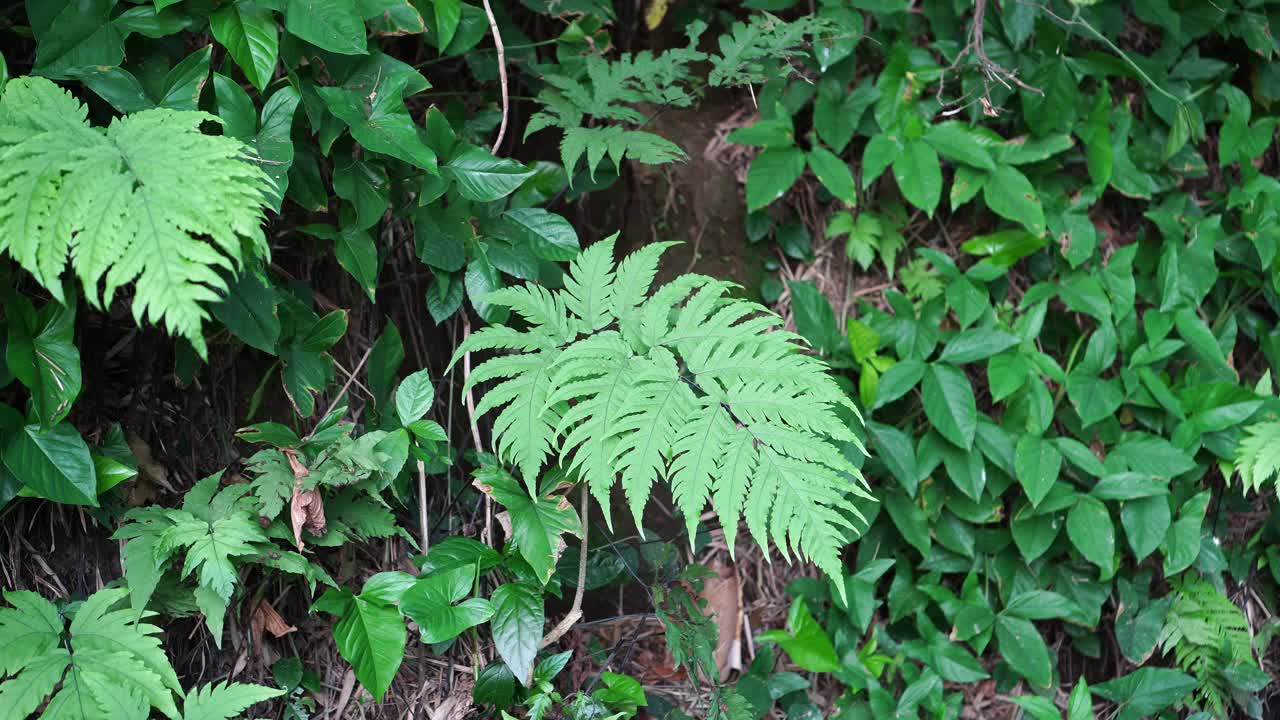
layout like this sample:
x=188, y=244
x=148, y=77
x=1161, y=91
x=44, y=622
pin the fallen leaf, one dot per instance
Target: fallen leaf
x=306, y=511
x=723, y=594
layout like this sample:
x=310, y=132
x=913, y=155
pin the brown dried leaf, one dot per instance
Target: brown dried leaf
x=723, y=594
x=306, y=511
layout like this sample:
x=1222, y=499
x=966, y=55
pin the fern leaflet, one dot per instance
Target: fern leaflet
x=1258, y=456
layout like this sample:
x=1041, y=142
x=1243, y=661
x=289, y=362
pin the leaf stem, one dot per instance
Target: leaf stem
x=575, y=612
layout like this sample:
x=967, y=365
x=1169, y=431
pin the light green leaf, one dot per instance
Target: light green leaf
x=430, y=602
x=804, y=640
x=537, y=524
x=414, y=396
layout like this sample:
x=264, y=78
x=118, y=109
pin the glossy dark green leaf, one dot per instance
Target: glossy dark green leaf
x=537, y=524
x=1037, y=463
x=54, y=463
x=249, y=33
x=334, y=25
x=1091, y=531
x=919, y=176
x=482, y=177
x=249, y=312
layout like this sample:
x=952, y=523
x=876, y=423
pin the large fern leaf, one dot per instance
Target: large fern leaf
x=687, y=384
x=108, y=662
x=149, y=200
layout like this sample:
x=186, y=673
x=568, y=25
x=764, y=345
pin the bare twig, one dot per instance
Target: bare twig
x=347, y=385
x=502, y=73
x=975, y=45
x=575, y=612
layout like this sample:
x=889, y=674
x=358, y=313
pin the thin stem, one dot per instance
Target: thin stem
x=502, y=74
x=575, y=612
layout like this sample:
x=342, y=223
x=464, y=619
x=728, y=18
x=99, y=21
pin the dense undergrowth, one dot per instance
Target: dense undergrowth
x=340, y=409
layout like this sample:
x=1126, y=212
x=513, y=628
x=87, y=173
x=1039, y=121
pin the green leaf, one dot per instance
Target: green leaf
x=1091, y=531
x=1093, y=397
x=148, y=224
x=1037, y=707
x=976, y=344
x=382, y=124
x=549, y=234
x=1024, y=650
x=898, y=380
x=249, y=312
x=518, y=618
x=371, y=636
x=537, y=524
x=495, y=686
x=54, y=463
x=804, y=640
x=414, y=396
x=834, y=175
x=357, y=254
x=48, y=363
x=919, y=176
x=1146, y=522
x=73, y=35
x=1037, y=464
x=771, y=174
x=1146, y=691
x=1039, y=605
x=1010, y=195
x=1005, y=247
x=958, y=142
x=482, y=177
x=430, y=602
x=949, y=404
x=1080, y=704
x=333, y=25
x=447, y=15
x=815, y=321
x=249, y=34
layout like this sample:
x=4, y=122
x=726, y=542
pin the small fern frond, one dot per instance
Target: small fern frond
x=150, y=200
x=687, y=384
x=1258, y=456
x=225, y=701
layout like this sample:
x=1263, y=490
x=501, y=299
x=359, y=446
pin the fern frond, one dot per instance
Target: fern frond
x=221, y=702
x=1258, y=456
x=150, y=200
x=689, y=385
x=1206, y=633
x=108, y=662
